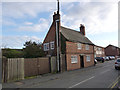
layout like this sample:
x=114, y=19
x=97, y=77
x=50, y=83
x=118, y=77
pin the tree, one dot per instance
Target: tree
x=33, y=50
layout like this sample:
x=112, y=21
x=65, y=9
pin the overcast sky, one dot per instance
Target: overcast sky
x=23, y=21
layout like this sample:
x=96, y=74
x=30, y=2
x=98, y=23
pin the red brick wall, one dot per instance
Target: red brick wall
x=74, y=65
x=109, y=51
x=71, y=49
x=51, y=36
x=91, y=60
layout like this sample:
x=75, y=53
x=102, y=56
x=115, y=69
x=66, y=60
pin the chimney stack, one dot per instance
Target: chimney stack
x=56, y=16
x=82, y=29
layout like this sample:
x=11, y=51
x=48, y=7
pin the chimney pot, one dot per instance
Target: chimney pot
x=54, y=13
x=82, y=29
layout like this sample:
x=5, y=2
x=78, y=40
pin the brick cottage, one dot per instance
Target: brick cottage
x=75, y=49
x=99, y=51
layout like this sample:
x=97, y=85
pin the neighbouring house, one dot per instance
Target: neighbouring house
x=99, y=51
x=112, y=50
x=75, y=49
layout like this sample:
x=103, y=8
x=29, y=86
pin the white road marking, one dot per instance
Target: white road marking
x=81, y=82
x=105, y=71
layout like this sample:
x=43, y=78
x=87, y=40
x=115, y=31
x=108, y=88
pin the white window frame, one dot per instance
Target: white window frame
x=79, y=45
x=74, y=59
x=52, y=45
x=87, y=47
x=46, y=46
x=88, y=58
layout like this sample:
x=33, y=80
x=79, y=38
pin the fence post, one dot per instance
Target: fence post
x=49, y=64
x=5, y=69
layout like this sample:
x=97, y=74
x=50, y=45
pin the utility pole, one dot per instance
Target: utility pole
x=57, y=40
x=58, y=7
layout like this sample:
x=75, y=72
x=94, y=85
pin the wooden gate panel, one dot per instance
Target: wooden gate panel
x=43, y=65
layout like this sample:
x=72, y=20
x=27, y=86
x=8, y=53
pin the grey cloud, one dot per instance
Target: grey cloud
x=94, y=15
x=21, y=10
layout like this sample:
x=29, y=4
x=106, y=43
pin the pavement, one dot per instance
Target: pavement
x=0, y=86
x=103, y=75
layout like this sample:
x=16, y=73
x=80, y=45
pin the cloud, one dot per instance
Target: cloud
x=60, y=0
x=28, y=23
x=0, y=14
x=26, y=9
x=41, y=26
x=97, y=17
x=17, y=41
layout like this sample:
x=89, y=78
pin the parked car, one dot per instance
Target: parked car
x=117, y=64
x=106, y=58
x=111, y=57
x=95, y=61
x=100, y=59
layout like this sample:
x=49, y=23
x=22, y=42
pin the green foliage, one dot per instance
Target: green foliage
x=12, y=53
x=33, y=50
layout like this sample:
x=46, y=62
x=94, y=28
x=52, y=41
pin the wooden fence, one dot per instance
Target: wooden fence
x=12, y=69
x=36, y=66
x=17, y=68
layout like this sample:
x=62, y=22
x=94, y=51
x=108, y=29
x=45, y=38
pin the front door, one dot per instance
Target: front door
x=82, y=61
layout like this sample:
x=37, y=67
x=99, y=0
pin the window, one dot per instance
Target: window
x=87, y=47
x=88, y=58
x=52, y=45
x=46, y=46
x=74, y=59
x=79, y=45
x=103, y=52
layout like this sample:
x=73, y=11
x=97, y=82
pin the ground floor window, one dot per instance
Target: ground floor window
x=88, y=58
x=74, y=59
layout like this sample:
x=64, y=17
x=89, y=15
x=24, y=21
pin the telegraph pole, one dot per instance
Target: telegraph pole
x=57, y=39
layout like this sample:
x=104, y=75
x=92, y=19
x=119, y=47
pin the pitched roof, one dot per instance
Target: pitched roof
x=112, y=46
x=74, y=36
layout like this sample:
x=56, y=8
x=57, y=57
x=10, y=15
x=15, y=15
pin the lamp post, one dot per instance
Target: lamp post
x=57, y=42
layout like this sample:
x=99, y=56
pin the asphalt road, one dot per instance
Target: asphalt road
x=103, y=75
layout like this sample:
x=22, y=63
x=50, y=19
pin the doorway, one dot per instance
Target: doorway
x=82, y=61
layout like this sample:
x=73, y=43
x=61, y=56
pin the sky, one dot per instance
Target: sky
x=30, y=20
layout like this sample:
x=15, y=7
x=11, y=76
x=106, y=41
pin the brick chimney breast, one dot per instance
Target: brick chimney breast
x=82, y=29
x=56, y=16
